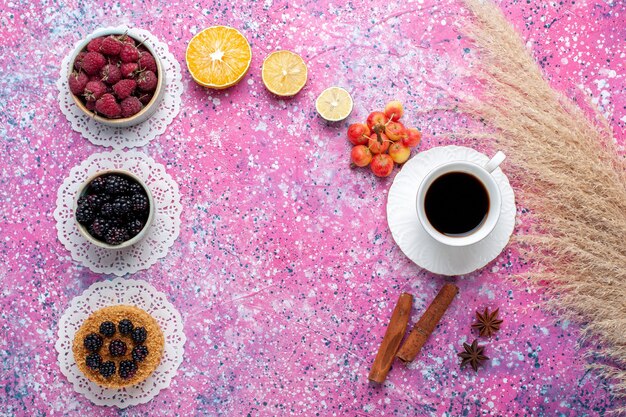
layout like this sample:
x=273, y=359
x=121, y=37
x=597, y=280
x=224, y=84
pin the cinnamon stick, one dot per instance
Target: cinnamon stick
x=426, y=324
x=392, y=339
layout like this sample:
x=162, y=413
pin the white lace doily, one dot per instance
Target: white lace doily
x=128, y=292
x=128, y=137
x=163, y=232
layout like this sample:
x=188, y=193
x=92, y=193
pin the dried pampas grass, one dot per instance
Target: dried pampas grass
x=569, y=174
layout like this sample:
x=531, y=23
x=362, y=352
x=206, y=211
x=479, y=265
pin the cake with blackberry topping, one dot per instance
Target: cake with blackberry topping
x=118, y=346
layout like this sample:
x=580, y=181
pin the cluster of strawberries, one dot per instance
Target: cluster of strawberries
x=382, y=141
x=114, y=77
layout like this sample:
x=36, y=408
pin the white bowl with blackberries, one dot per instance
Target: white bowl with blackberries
x=116, y=79
x=114, y=209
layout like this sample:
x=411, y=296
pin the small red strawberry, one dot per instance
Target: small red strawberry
x=110, y=74
x=147, y=81
x=108, y=106
x=147, y=62
x=131, y=106
x=111, y=46
x=78, y=61
x=94, y=90
x=146, y=98
x=129, y=53
x=77, y=82
x=93, y=62
x=124, y=88
x=129, y=69
x=94, y=45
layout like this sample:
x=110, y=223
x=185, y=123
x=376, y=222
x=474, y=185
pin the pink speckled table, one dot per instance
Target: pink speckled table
x=285, y=272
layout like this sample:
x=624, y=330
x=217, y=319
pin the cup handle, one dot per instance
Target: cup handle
x=495, y=161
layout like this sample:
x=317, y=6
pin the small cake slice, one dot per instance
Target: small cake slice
x=118, y=346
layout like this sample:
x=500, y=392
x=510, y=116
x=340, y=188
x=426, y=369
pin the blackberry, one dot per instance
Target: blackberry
x=139, y=335
x=97, y=185
x=127, y=369
x=139, y=353
x=134, y=227
x=135, y=188
x=85, y=214
x=122, y=206
x=116, y=235
x=95, y=201
x=107, y=369
x=100, y=226
x=125, y=326
x=107, y=210
x=140, y=202
x=117, y=348
x=94, y=361
x=92, y=342
x=107, y=328
x=116, y=185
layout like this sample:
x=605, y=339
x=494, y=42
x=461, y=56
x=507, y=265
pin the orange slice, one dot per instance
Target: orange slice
x=218, y=57
x=284, y=73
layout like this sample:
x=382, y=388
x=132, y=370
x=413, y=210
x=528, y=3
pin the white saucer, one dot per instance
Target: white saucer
x=417, y=244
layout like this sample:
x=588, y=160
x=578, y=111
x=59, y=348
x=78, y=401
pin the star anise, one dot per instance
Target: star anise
x=487, y=323
x=473, y=355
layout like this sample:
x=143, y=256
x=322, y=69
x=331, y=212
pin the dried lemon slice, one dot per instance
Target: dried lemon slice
x=334, y=104
x=284, y=73
x=218, y=57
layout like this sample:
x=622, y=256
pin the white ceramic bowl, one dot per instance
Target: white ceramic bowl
x=83, y=230
x=148, y=109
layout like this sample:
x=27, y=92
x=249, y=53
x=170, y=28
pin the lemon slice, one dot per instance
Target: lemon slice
x=284, y=73
x=218, y=57
x=334, y=104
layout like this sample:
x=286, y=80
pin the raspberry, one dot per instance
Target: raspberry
x=129, y=53
x=107, y=369
x=85, y=214
x=77, y=82
x=127, y=39
x=139, y=335
x=147, y=81
x=116, y=236
x=124, y=88
x=125, y=326
x=111, y=46
x=127, y=369
x=94, y=45
x=94, y=361
x=147, y=62
x=110, y=74
x=146, y=98
x=117, y=185
x=78, y=61
x=117, y=348
x=92, y=342
x=134, y=227
x=139, y=353
x=91, y=106
x=108, y=106
x=107, y=328
x=94, y=90
x=129, y=69
x=93, y=62
x=131, y=106
x=140, y=202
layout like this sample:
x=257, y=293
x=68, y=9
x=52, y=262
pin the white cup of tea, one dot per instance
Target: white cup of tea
x=458, y=203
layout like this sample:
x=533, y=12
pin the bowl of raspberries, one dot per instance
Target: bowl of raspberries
x=116, y=79
x=114, y=209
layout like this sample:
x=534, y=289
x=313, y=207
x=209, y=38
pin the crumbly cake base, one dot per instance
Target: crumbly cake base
x=140, y=318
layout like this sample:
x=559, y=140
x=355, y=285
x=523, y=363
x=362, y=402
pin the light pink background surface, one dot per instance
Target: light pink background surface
x=285, y=272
